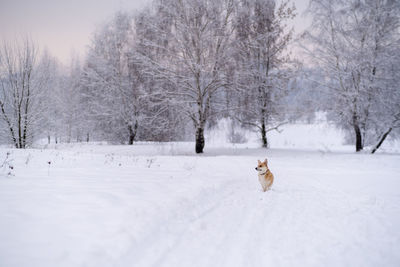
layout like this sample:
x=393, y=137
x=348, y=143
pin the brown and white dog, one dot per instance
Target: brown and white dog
x=265, y=176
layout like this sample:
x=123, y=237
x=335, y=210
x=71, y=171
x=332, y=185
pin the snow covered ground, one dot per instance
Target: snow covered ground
x=161, y=205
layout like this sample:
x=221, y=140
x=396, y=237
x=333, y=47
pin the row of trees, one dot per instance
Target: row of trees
x=190, y=61
x=175, y=68
x=38, y=98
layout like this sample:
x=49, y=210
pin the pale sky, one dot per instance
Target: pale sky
x=66, y=26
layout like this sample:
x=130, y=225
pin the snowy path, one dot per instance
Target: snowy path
x=114, y=207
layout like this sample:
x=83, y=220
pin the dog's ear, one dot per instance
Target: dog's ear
x=259, y=162
x=266, y=161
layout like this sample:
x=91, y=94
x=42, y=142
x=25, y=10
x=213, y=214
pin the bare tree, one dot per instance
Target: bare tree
x=114, y=98
x=263, y=66
x=194, y=38
x=22, y=78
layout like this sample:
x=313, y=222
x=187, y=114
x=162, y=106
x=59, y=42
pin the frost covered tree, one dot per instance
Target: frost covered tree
x=356, y=44
x=263, y=66
x=160, y=119
x=114, y=100
x=23, y=78
x=123, y=100
x=71, y=108
x=386, y=114
x=52, y=102
x=384, y=21
x=194, y=40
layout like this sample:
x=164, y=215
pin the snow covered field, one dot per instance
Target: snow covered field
x=161, y=205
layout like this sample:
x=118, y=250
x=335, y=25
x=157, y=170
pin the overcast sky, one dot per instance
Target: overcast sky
x=64, y=26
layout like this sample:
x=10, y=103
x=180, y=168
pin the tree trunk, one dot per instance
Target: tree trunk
x=87, y=138
x=199, y=140
x=48, y=139
x=264, y=135
x=25, y=127
x=132, y=133
x=381, y=141
x=357, y=131
x=19, y=128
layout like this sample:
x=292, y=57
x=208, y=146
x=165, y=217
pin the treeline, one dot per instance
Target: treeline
x=170, y=71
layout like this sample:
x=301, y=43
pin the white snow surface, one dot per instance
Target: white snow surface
x=161, y=205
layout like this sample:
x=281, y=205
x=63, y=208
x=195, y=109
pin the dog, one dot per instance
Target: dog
x=265, y=176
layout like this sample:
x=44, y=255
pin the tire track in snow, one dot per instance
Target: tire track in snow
x=242, y=227
x=161, y=241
